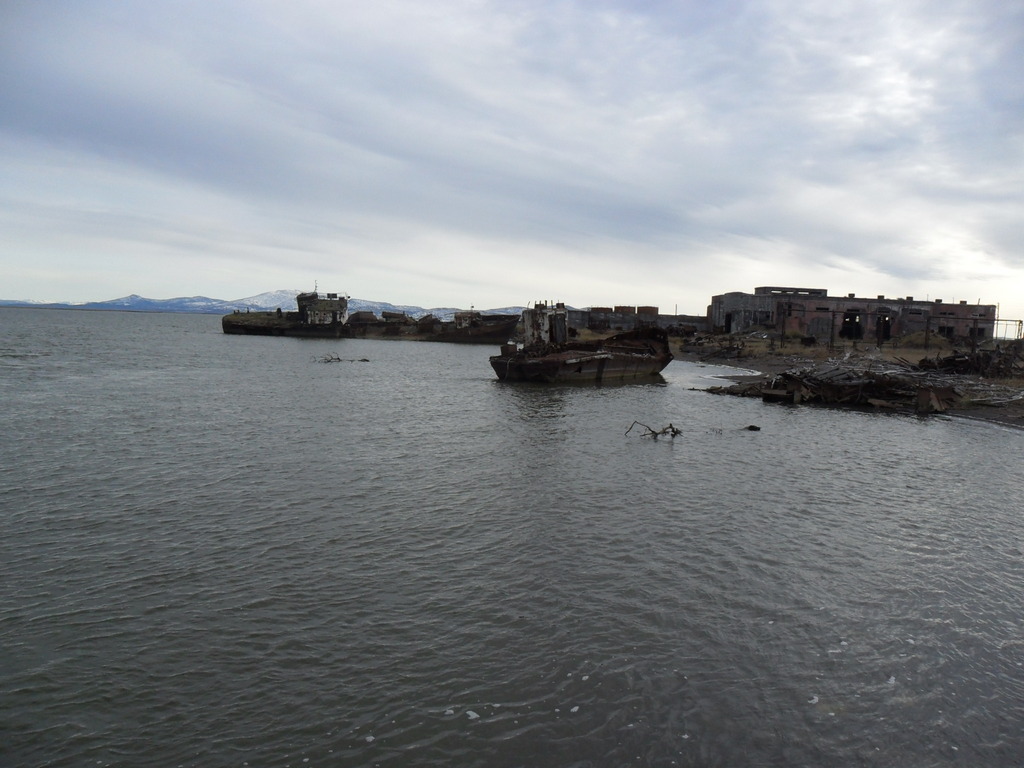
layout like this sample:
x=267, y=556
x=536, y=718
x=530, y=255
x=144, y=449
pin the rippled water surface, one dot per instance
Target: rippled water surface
x=216, y=551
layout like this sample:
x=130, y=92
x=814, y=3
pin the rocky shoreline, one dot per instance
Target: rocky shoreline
x=880, y=381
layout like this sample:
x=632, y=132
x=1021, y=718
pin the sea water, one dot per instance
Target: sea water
x=220, y=551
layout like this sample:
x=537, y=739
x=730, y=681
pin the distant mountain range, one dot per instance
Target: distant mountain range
x=262, y=302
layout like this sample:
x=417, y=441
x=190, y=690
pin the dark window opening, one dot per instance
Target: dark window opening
x=852, y=327
x=883, y=328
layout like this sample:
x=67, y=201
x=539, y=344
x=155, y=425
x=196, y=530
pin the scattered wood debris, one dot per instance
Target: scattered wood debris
x=715, y=347
x=836, y=383
x=935, y=385
x=1002, y=362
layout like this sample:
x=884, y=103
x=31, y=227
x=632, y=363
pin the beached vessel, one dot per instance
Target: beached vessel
x=549, y=355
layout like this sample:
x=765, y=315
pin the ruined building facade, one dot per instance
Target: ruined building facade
x=811, y=312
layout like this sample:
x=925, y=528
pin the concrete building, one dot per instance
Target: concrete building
x=812, y=312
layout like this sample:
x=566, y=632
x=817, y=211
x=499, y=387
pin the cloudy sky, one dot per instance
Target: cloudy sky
x=496, y=152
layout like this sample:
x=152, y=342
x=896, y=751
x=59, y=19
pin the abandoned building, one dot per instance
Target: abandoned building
x=811, y=312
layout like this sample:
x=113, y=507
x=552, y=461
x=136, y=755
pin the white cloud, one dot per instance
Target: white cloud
x=473, y=152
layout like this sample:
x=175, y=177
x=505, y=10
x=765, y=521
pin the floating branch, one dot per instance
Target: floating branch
x=336, y=359
x=655, y=433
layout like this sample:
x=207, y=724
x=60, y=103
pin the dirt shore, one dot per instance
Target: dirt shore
x=996, y=401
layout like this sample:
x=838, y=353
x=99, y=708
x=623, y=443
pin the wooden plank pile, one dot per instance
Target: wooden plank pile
x=854, y=386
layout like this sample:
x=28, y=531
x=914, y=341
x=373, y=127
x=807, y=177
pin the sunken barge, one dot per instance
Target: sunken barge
x=549, y=355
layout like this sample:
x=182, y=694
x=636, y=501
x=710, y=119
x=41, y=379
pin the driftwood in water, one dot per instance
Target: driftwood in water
x=336, y=359
x=655, y=433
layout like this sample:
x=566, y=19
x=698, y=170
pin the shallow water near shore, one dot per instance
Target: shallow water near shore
x=215, y=550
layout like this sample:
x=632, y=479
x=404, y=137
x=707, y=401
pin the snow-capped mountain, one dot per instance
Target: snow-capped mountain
x=267, y=302
x=284, y=299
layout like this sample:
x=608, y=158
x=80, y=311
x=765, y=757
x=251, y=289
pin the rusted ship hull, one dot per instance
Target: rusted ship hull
x=493, y=332
x=291, y=324
x=634, y=355
x=286, y=324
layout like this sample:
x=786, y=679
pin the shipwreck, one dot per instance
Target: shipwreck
x=549, y=355
x=319, y=315
x=326, y=316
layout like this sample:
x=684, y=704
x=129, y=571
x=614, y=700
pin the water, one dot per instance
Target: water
x=215, y=551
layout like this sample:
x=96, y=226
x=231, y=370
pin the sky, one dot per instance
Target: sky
x=493, y=153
